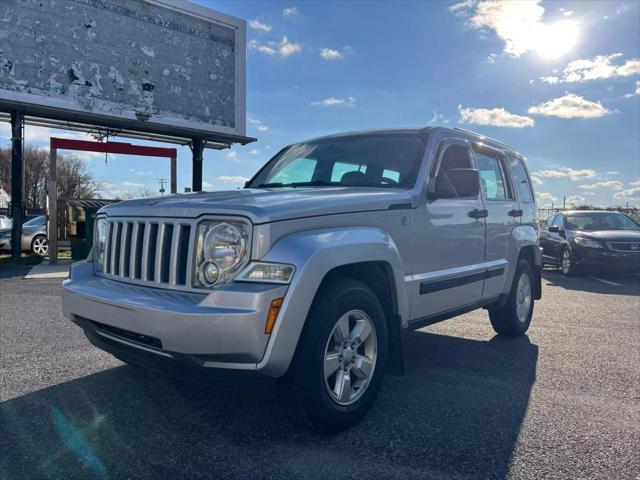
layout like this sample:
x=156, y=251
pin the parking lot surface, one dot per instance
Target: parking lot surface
x=562, y=402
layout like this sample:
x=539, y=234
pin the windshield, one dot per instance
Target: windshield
x=600, y=221
x=35, y=221
x=383, y=161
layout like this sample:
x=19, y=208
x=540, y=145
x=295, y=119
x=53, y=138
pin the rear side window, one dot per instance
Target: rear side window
x=492, y=182
x=521, y=180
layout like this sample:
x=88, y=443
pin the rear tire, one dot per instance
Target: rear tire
x=339, y=364
x=40, y=245
x=514, y=317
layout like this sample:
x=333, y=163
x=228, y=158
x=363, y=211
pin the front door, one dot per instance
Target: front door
x=449, y=240
x=503, y=216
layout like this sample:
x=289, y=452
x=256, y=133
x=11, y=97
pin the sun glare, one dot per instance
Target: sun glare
x=556, y=39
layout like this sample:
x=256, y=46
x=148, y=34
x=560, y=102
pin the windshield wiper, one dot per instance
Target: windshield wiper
x=314, y=183
x=271, y=185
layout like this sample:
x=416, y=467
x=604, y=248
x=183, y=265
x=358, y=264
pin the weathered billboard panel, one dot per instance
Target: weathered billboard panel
x=160, y=65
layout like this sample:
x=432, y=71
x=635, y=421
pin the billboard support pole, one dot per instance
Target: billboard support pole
x=17, y=172
x=52, y=205
x=197, y=148
x=174, y=180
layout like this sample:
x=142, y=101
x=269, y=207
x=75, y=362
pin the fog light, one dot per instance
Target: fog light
x=209, y=273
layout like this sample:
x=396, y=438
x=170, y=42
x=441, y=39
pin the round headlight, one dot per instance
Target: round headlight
x=100, y=240
x=224, y=245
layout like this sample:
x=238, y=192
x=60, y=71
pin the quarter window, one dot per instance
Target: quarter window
x=521, y=180
x=492, y=180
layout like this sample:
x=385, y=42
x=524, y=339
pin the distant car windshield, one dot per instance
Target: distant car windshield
x=594, y=221
x=382, y=161
x=41, y=220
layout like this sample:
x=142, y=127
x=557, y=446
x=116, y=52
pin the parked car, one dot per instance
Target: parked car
x=586, y=239
x=5, y=222
x=306, y=277
x=34, y=236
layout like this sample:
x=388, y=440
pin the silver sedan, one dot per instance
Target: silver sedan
x=34, y=236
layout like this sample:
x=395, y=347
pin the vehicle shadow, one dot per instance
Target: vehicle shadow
x=594, y=282
x=456, y=413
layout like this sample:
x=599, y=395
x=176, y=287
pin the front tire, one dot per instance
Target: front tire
x=514, y=317
x=339, y=365
x=567, y=263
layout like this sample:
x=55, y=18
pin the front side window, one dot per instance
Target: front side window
x=382, y=161
x=521, y=180
x=492, y=180
x=454, y=158
x=559, y=221
x=40, y=220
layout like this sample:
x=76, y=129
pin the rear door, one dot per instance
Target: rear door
x=545, y=239
x=503, y=216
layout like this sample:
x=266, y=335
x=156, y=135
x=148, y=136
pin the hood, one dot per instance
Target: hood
x=264, y=205
x=611, y=235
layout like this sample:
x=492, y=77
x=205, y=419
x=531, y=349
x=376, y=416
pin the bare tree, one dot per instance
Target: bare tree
x=142, y=192
x=74, y=178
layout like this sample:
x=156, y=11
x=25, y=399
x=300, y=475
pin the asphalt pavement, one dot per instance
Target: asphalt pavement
x=562, y=402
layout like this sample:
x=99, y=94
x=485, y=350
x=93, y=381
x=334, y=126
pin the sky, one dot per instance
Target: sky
x=558, y=81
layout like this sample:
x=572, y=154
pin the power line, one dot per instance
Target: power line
x=162, y=181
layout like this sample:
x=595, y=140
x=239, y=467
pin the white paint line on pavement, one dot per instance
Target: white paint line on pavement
x=45, y=270
x=606, y=281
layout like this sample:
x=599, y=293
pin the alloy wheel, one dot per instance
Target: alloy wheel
x=350, y=357
x=40, y=246
x=523, y=297
x=566, y=262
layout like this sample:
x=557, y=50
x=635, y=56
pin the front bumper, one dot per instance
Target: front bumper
x=604, y=259
x=198, y=336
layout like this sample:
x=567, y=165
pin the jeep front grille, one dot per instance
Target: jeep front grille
x=153, y=252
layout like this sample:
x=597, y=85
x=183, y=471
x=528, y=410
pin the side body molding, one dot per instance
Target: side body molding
x=314, y=253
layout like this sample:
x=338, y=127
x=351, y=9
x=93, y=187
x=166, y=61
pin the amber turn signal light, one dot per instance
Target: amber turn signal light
x=274, y=309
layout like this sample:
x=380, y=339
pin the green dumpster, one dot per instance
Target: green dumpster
x=81, y=219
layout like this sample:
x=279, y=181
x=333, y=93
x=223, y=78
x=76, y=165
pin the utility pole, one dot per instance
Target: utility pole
x=162, y=181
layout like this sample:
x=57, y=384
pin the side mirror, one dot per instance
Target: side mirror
x=554, y=229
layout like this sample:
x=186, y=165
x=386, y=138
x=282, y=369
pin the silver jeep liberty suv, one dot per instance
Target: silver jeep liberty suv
x=307, y=277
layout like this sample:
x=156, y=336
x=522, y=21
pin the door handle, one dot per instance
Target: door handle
x=515, y=213
x=475, y=213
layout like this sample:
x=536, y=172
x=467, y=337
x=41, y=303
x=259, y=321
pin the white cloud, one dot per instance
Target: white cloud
x=259, y=125
x=612, y=172
x=570, y=106
x=232, y=156
x=545, y=196
x=536, y=180
x=330, y=54
x=598, y=67
x=497, y=117
x=635, y=183
x=258, y=25
x=254, y=152
x=492, y=57
x=232, y=179
x=550, y=79
x=520, y=26
x=335, y=102
x=129, y=184
x=573, y=174
x=628, y=193
x=284, y=48
x=615, y=184
x=637, y=92
x=575, y=199
x=437, y=118
x=290, y=12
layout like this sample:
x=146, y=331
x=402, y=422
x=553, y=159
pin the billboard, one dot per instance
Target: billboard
x=165, y=66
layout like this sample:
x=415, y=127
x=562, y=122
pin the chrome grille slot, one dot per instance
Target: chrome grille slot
x=633, y=247
x=149, y=252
